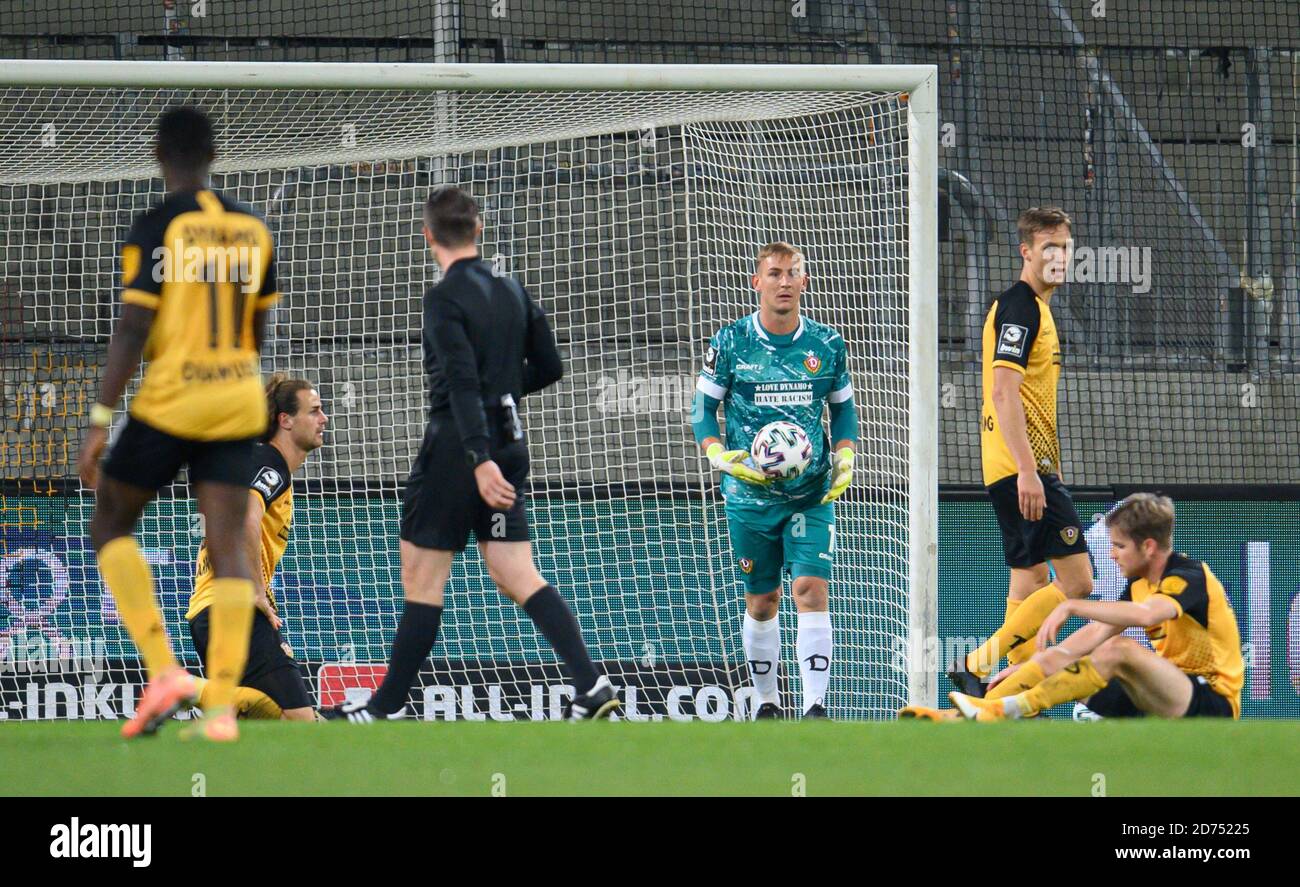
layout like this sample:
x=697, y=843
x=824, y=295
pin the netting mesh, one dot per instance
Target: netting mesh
x=1169, y=128
x=638, y=242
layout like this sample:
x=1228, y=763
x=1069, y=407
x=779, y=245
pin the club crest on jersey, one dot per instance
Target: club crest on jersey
x=746, y=565
x=1069, y=535
x=812, y=363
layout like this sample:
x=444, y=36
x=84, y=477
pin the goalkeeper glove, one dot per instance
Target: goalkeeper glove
x=842, y=473
x=732, y=462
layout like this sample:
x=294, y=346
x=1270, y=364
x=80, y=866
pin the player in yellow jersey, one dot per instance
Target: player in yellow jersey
x=1022, y=453
x=272, y=685
x=198, y=274
x=1195, y=668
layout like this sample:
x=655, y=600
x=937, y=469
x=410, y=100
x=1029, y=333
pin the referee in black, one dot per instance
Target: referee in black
x=486, y=345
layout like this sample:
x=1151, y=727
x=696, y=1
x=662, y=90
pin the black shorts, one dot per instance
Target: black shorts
x=269, y=668
x=1030, y=543
x=145, y=457
x=441, y=503
x=1113, y=701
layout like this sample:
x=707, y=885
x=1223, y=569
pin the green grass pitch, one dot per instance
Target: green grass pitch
x=1046, y=758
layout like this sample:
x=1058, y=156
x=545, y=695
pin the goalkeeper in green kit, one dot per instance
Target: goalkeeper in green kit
x=776, y=365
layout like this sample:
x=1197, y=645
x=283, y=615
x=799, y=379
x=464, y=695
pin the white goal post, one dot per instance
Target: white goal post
x=630, y=200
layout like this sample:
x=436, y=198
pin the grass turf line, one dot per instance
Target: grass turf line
x=1200, y=757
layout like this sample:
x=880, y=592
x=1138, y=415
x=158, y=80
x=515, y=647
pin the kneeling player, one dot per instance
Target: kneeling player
x=272, y=685
x=1195, y=669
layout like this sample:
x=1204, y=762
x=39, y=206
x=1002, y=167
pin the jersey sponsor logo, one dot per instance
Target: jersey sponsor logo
x=267, y=482
x=746, y=565
x=812, y=363
x=1012, y=339
x=1069, y=535
x=711, y=360
x=749, y=366
x=779, y=394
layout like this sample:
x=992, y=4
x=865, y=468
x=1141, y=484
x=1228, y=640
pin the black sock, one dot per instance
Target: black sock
x=416, y=632
x=556, y=621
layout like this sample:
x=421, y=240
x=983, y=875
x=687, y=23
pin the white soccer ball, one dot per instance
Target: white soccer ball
x=781, y=450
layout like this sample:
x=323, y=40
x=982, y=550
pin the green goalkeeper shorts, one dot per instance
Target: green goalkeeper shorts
x=765, y=538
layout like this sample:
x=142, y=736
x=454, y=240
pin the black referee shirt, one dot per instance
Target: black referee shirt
x=484, y=338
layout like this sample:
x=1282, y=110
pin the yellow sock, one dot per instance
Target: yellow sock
x=231, y=625
x=1020, y=628
x=1027, y=677
x=256, y=705
x=249, y=703
x=128, y=577
x=1021, y=652
x=1079, y=680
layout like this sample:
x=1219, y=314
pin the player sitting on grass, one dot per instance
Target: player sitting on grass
x=1195, y=669
x=272, y=685
x=774, y=364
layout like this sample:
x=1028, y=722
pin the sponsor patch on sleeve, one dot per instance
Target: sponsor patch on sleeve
x=267, y=482
x=711, y=360
x=1012, y=339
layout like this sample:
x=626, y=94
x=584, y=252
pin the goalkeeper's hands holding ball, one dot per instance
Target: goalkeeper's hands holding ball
x=841, y=473
x=733, y=462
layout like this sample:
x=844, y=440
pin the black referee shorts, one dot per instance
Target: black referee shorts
x=1113, y=702
x=441, y=503
x=1030, y=543
x=145, y=457
x=269, y=668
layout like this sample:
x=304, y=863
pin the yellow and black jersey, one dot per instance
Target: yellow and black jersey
x=1203, y=638
x=1019, y=334
x=205, y=264
x=274, y=488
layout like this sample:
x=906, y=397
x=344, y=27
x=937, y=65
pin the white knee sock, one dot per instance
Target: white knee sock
x=763, y=652
x=813, y=646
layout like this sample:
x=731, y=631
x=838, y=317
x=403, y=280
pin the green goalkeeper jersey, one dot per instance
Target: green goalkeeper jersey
x=761, y=377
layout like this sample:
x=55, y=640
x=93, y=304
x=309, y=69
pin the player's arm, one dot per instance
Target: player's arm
x=455, y=353
x=1127, y=614
x=1011, y=421
x=124, y=353
x=1115, y=615
x=267, y=295
x=543, y=365
x=141, y=295
x=125, y=350
x=1016, y=326
x=844, y=427
x=253, y=542
x=1079, y=644
x=710, y=390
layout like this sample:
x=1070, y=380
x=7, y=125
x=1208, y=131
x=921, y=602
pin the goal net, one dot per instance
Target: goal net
x=631, y=205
